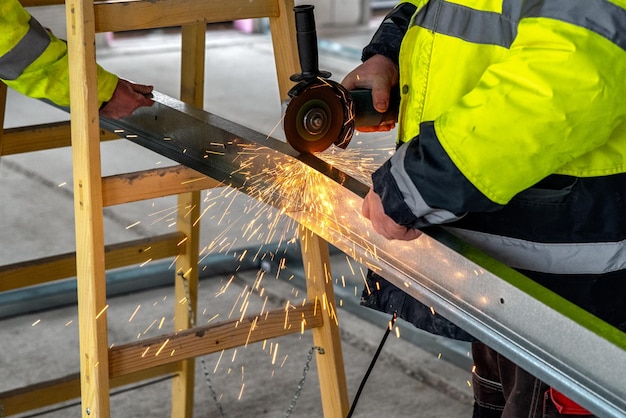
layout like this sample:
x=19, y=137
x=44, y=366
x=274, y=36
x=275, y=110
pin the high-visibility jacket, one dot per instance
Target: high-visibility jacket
x=512, y=132
x=34, y=62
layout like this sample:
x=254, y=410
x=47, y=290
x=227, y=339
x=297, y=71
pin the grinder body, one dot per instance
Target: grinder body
x=321, y=112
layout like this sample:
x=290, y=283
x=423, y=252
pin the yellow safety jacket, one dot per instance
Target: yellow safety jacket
x=34, y=62
x=512, y=132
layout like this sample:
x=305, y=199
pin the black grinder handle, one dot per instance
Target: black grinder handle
x=306, y=36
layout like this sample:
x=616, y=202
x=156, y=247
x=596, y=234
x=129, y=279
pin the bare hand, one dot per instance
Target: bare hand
x=379, y=74
x=126, y=98
x=383, y=224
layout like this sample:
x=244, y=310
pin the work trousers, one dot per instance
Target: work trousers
x=504, y=390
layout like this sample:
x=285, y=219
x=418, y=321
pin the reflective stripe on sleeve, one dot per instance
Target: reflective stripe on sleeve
x=27, y=50
x=484, y=27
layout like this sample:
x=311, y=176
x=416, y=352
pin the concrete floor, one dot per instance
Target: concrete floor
x=36, y=220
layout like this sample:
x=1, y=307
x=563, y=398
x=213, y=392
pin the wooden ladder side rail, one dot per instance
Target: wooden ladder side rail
x=48, y=269
x=88, y=210
x=330, y=365
x=193, y=47
x=315, y=254
x=158, y=356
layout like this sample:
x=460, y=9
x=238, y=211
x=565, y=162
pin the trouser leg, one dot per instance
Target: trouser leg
x=504, y=390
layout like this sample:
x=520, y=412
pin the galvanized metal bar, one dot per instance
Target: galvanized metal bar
x=558, y=342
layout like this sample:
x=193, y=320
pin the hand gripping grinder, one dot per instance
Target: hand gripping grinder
x=321, y=112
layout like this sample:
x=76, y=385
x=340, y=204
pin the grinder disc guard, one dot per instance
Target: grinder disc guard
x=320, y=113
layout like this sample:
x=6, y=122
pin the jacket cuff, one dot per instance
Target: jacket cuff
x=395, y=207
x=107, y=82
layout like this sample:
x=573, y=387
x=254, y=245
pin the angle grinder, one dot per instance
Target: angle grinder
x=321, y=112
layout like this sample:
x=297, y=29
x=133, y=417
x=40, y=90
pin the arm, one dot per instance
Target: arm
x=550, y=105
x=34, y=62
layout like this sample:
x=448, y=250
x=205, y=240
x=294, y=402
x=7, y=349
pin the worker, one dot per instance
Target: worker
x=512, y=134
x=34, y=62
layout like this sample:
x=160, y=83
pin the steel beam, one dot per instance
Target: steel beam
x=551, y=338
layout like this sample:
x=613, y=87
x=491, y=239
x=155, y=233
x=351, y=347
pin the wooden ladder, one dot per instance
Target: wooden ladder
x=102, y=367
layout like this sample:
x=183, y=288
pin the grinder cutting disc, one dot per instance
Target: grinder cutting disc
x=317, y=116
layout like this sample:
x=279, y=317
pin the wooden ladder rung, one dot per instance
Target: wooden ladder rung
x=200, y=341
x=41, y=137
x=55, y=391
x=56, y=267
x=153, y=183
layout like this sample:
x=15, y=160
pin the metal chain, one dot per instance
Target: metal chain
x=205, y=369
x=296, y=395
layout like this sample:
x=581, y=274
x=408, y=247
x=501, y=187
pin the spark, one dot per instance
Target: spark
x=145, y=352
x=134, y=313
x=102, y=311
x=133, y=225
x=148, y=328
x=36, y=322
x=218, y=361
x=162, y=347
x=275, y=354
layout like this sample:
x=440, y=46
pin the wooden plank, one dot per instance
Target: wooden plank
x=51, y=392
x=330, y=366
x=152, y=184
x=92, y=318
x=41, y=137
x=61, y=266
x=283, y=30
x=146, y=14
x=199, y=341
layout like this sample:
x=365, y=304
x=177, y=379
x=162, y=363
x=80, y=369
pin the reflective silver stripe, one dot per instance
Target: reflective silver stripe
x=599, y=16
x=27, y=50
x=412, y=197
x=475, y=26
x=482, y=27
x=565, y=258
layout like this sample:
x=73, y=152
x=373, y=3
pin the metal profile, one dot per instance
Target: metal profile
x=551, y=338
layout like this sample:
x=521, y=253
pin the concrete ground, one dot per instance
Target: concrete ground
x=36, y=220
